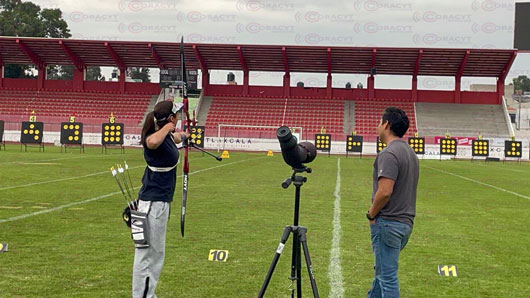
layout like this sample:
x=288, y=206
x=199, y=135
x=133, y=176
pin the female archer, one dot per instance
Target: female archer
x=159, y=139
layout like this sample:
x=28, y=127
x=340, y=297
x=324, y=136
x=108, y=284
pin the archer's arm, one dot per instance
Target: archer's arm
x=154, y=140
x=179, y=136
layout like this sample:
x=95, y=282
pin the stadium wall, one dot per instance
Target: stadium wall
x=432, y=96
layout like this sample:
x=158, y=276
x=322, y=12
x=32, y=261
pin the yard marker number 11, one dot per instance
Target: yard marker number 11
x=447, y=270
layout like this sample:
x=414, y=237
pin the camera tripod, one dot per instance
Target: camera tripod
x=299, y=239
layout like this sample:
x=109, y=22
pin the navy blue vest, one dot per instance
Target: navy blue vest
x=160, y=186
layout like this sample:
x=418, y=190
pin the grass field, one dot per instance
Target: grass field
x=60, y=214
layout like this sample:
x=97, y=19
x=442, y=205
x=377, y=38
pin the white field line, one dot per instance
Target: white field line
x=479, y=182
x=37, y=163
x=335, y=268
x=53, y=159
x=506, y=169
x=62, y=179
x=66, y=179
x=106, y=195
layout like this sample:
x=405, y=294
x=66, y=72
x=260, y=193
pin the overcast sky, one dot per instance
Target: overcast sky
x=398, y=23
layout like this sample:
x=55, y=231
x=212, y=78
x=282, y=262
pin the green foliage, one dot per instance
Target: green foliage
x=60, y=72
x=522, y=83
x=93, y=73
x=19, y=18
x=19, y=71
x=139, y=73
x=26, y=19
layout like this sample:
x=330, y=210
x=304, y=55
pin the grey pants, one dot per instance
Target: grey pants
x=148, y=262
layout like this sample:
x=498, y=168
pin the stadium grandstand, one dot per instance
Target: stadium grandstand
x=251, y=109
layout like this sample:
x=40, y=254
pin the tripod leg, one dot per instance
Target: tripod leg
x=279, y=251
x=296, y=264
x=303, y=241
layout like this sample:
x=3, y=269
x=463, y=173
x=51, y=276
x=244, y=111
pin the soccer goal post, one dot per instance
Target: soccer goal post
x=251, y=137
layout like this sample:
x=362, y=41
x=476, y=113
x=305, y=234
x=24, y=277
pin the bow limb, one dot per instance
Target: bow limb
x=186, y=166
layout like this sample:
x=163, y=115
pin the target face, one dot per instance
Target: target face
x=480, y=148
x=448, y=146
x=513, y=149
x=112, y=133
x=323, y=142
x=418, y=145
x=31, y=132
x=197, y=135
x=354, y=144
x=71, y=133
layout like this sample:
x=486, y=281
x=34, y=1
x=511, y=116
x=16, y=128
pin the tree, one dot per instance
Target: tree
x=60, y=72
x=93, y=73
x=522, y=83
x=139, y=73
x=27, y=19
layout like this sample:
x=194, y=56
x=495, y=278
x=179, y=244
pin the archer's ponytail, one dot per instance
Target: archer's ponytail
x=163, y=111
x=148, y=128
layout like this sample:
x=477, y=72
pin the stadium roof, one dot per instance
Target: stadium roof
x=358, y=60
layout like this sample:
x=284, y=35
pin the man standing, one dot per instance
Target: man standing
x=391, y=216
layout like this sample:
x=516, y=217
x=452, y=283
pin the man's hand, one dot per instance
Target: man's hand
x=382, y=195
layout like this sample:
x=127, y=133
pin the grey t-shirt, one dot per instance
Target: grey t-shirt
x=399, y=163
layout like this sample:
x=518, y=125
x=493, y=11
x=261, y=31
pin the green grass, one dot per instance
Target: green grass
x=85, y=250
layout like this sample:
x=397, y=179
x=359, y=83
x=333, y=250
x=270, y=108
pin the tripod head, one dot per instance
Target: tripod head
x=298, y=180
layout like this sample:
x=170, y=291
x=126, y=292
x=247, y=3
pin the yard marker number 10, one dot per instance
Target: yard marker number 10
x=447, y=270
x=218, y=255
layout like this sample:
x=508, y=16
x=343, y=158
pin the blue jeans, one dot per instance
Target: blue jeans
x=388, y=239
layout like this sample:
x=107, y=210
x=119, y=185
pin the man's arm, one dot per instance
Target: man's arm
x=382, y=195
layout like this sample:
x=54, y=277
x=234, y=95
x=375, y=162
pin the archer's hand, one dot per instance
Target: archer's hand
x=177, y=136
x=169, y=127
